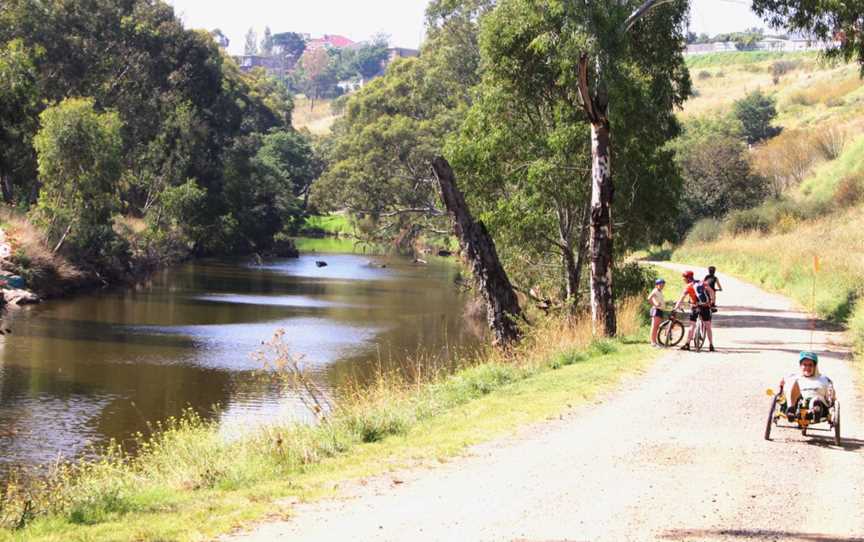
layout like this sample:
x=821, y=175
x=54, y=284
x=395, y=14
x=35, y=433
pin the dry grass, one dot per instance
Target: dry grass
x=829, y=92
x=784, y=261
x=318, y=118
x=31, y=257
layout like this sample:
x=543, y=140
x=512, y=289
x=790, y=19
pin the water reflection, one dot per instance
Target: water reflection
x=95, y=367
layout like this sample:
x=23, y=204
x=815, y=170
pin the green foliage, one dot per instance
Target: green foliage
x=717, y=178
x=632, y=279
x=756, y=111
x=705, y=230
x=79, y=164
x=19, y=106
x=186, y=110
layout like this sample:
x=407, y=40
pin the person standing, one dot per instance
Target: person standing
x=701, y=296
x=714, y=282
x=658, y=304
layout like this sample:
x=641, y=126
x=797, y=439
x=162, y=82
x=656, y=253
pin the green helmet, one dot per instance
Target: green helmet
x=808, y=355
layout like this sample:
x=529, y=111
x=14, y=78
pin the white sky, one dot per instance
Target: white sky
x=402, y=20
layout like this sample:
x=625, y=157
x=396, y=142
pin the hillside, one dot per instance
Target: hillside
x=808, y=243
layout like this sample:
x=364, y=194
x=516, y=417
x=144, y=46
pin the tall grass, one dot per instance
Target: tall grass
x=188, y=467
x=785, y=262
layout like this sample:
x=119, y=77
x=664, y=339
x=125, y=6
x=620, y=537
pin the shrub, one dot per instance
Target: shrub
x=849, y=191
x=704, y=74
x=830, y=142
x=801, y=98
x=786, y=159
x=632, y=279
x=717, y=178
x=748, y=220
x=704, y=231
x=781, y=68
x=756, y=111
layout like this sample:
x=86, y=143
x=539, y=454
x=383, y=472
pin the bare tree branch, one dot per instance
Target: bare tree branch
x=643, y=10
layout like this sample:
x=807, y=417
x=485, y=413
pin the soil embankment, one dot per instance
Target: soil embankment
x=676, y=454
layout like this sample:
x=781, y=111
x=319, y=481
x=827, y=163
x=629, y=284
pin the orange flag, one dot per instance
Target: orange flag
x=815, y=264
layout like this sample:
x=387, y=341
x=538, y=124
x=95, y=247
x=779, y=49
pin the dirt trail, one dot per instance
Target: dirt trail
x=675, y=455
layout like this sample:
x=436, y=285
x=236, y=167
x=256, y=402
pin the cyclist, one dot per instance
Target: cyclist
x=698, y=307
x=657, y=306
x=714, y=282
x=809, y=385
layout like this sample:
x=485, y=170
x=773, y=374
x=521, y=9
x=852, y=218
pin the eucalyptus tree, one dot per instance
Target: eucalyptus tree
x=622, y=62
x=518, y=160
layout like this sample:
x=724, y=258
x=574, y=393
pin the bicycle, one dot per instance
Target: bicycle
x=671, y=331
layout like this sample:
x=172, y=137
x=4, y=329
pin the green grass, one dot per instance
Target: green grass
x=190, y=483
x=336, y=224
x=332, y=245
x=732, y=58
x=825, y=178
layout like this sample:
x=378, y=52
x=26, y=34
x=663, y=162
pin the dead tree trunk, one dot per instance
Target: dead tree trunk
x=602, y=300
x=596, y=105
x=502, y=306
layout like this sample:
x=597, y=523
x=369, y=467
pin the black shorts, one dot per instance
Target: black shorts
x=657, y=312
x=705, y=311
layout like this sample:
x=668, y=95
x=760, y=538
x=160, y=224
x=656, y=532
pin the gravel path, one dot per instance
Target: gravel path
x=675, y=455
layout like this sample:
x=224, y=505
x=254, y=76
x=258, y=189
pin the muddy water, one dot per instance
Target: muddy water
x=81, y=371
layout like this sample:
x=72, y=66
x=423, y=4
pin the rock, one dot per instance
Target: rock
x=320, y=263
x=420, y=261
x=444, y=253
x=20, y=297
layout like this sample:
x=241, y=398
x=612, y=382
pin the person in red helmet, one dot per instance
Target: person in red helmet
x=701, y=297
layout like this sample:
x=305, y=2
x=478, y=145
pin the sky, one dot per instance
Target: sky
x=402, y=20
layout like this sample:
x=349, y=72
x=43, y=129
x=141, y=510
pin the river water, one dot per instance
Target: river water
x=80, y=371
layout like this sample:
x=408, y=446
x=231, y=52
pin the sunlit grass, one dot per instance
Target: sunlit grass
x=317, y=117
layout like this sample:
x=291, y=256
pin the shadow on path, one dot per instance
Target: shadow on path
x=702, y=534
x=774, y=322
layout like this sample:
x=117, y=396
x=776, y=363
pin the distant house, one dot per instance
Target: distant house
x=276, y=66
x=329, y=40
x=797, y=43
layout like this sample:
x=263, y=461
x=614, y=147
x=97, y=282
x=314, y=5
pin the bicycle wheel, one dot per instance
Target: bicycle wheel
x=699, y=338
x=771, y=416
x=837, y=423
x=670, y=333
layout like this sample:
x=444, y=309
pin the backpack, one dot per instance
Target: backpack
x=701, y=292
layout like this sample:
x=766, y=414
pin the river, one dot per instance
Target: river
x=77, y=372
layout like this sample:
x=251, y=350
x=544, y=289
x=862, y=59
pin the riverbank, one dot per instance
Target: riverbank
x=189, y=481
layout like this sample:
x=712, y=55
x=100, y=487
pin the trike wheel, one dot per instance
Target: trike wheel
x=670, y=333
x=771, y=412
x=837, y=423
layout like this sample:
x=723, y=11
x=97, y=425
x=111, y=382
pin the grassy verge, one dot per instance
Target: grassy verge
x=189, y=482
x=743, y=57
x=784, y=262
x=336, y=224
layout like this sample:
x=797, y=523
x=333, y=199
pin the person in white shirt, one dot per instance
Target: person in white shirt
x=810, y=385
x=658, y=305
